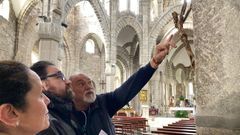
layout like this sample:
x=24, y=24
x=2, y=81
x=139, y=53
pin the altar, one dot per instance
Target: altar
x=129, y=112
x=191, y=109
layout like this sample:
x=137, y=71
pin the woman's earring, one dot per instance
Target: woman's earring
x=17, y=123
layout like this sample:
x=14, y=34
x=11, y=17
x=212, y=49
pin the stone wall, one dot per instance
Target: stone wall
x=79, y=30
x=28, y=36
x=91, y=65
x=216, y=32
x=71, y=40
x=7, y=36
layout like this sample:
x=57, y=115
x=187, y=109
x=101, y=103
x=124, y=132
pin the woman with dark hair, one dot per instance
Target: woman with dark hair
x=23, y=106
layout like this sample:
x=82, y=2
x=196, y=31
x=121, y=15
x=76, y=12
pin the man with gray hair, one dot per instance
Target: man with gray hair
x=93, y=113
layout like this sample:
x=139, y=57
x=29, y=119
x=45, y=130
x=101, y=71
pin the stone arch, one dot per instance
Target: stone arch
x=93, y=64
x=123, y=65
x=26, y=39
x=167, y=64
x=30, y=4
x=178, y=49
x=174, y=71
x=131, y=21
x=123, y=52
x=99, y=11
x=123, y=56
x=158, y=25
x=159, y=31
x=176, y=36
x=68, y=57
x=96, y=39
x=24, y=13
x=35, y=48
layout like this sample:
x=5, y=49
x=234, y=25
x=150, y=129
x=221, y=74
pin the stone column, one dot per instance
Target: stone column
x=161, y=93
x=112, y=48
x=217, y=38
x=186, y=89
x=131, y=64
x=155, y=90
x=165, y=88
x=50, y=35
x=144, y=52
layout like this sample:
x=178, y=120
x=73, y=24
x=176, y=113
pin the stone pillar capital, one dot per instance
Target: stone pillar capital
x=49, y=30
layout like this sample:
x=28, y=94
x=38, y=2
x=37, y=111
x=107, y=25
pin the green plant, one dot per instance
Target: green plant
x=181, y=114
x=181, y=98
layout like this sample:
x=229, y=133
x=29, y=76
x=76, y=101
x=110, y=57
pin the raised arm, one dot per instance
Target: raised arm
x=129, y=89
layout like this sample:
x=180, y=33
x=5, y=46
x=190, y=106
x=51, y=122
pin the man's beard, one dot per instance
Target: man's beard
x=69, y=94
x=90, y=99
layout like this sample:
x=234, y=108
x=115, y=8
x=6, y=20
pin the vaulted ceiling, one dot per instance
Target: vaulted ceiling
x=18, y=5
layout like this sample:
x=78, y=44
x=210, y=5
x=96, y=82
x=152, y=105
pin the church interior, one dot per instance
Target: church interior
x=111, y=39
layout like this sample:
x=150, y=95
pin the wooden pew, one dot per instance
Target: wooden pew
x=152, y=134
x=183, y=127
x=185, y=123
x=123, y=128
x=179, y=127
x=178, y=130
x=173, y=132
x=129, y=125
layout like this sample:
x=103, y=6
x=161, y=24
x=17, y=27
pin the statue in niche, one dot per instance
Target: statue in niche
x=171, y=101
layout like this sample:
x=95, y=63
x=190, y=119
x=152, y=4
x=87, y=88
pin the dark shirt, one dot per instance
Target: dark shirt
x=81, y=121
x=106, y=105
x=59, y=117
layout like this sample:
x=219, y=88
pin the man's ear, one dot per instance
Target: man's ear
x=45, y=85
x=9, y=115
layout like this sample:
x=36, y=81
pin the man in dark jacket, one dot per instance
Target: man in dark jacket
x=57, y=89
x=93, y=112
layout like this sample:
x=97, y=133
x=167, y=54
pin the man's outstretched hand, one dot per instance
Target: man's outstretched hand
x=161, y=50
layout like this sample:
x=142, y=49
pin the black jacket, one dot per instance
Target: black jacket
x=99, y=114
x=59, y=117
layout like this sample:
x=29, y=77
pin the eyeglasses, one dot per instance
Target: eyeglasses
x=59, y=75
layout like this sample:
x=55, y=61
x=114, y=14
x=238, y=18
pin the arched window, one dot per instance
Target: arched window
x=123, y=5
x=90, y=46
x=134, y=6
x=86, y=9
x=188, y=1
x=190, y=85
x=4, y=9
x=129, y=5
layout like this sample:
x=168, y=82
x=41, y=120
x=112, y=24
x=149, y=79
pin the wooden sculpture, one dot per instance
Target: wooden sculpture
x=179, y=20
